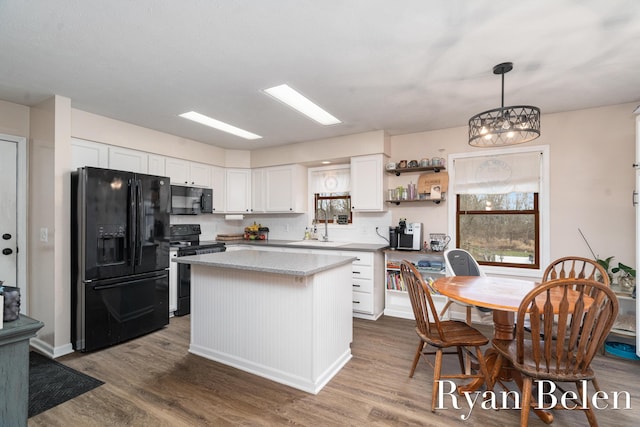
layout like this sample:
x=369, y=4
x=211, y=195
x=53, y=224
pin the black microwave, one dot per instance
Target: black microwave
x=191, y=200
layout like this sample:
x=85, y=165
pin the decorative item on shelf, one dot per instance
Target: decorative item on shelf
x=433, y=185
x=425, y=162
x=402, y=164
x=412, y=164
x=439, y=241
x=504, y=125
x=391, y=166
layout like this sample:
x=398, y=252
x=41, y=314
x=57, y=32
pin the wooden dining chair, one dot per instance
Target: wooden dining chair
x=578, y=313
x=439, y=334
x=571, y=267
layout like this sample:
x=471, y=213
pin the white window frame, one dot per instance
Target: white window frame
x=310, y=194
x=543, y=205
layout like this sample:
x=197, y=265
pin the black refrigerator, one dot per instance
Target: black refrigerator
x=119, y=256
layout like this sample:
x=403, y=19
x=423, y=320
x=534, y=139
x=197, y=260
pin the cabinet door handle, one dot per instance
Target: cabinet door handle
x=356, y=302
x=356, y=272
x=356, y=286
x=634, y=200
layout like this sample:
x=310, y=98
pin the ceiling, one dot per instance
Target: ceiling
x=402, y=66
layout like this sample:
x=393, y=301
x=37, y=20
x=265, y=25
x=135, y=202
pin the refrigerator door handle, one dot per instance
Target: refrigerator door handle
x=139, y=225
x=131, y=219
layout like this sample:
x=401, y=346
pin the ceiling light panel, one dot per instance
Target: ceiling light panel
x=217, y=124
x=299, y=102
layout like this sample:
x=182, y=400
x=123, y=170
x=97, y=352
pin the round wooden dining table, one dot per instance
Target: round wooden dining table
x=501, y=294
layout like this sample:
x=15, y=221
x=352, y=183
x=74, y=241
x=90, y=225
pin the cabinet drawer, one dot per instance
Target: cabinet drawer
x=362, y=302
x=362, y=271
x=363, y=258
x=362, y=285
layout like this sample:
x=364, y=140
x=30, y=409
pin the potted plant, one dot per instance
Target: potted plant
x=627, y=277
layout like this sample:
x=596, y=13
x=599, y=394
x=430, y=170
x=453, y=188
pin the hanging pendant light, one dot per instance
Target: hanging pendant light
x=504, y=125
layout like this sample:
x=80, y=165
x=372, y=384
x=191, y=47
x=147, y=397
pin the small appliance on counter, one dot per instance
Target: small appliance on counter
x=406, y=236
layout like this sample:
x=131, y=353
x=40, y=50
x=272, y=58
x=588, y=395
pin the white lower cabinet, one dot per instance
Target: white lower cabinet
x=367, y=278
x=367, y=282
x=397, y=302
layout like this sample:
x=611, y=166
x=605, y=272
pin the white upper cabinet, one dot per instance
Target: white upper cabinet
x=367, y=183
x=177, y=170
x=218, y=184
x=184, y=172
x=88, y=153
x=285, y=188
x=258, y=190
x=125, y=159
x=200, y=174
x=155, y=166
x=238, y=190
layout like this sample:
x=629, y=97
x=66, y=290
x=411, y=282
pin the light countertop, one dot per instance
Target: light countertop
x=295, y=264
x=366, y=247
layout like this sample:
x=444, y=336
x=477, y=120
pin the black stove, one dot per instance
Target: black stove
x=186, y=238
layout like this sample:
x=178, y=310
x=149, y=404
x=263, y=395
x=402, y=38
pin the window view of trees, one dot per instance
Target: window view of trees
x=330, y=205
x=499, y=229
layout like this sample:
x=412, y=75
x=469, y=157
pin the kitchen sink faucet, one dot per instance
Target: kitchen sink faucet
x=325, y=237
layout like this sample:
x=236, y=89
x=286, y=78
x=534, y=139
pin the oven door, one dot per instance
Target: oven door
x=184, y=289
x=116, y=310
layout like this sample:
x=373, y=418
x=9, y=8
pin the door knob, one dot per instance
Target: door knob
x=6, y=236
x=7, y=251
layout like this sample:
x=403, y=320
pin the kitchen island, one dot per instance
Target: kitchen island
x=284, y=316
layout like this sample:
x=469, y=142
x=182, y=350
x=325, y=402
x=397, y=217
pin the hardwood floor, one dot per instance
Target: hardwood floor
x=154, y=381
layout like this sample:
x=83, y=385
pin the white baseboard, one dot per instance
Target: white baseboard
x=48, y=350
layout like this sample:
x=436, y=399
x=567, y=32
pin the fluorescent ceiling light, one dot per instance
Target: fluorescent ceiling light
x=297, y=101
x=225, y=127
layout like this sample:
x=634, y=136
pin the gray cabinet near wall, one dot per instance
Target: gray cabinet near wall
x=14, y=369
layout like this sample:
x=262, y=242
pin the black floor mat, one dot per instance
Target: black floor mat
x=52, y=383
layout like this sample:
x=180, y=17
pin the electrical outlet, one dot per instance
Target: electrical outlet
x=44, y=234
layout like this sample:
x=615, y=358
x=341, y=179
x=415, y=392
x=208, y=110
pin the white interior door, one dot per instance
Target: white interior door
x=8, y=212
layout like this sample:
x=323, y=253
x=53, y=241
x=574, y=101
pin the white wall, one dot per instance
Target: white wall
x=14, y=119
x=592, y=180
x=49, y=272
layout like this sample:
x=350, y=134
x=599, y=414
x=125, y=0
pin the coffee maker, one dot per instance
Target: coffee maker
x=407, y=236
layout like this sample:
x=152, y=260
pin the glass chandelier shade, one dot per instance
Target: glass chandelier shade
x=504, y=125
